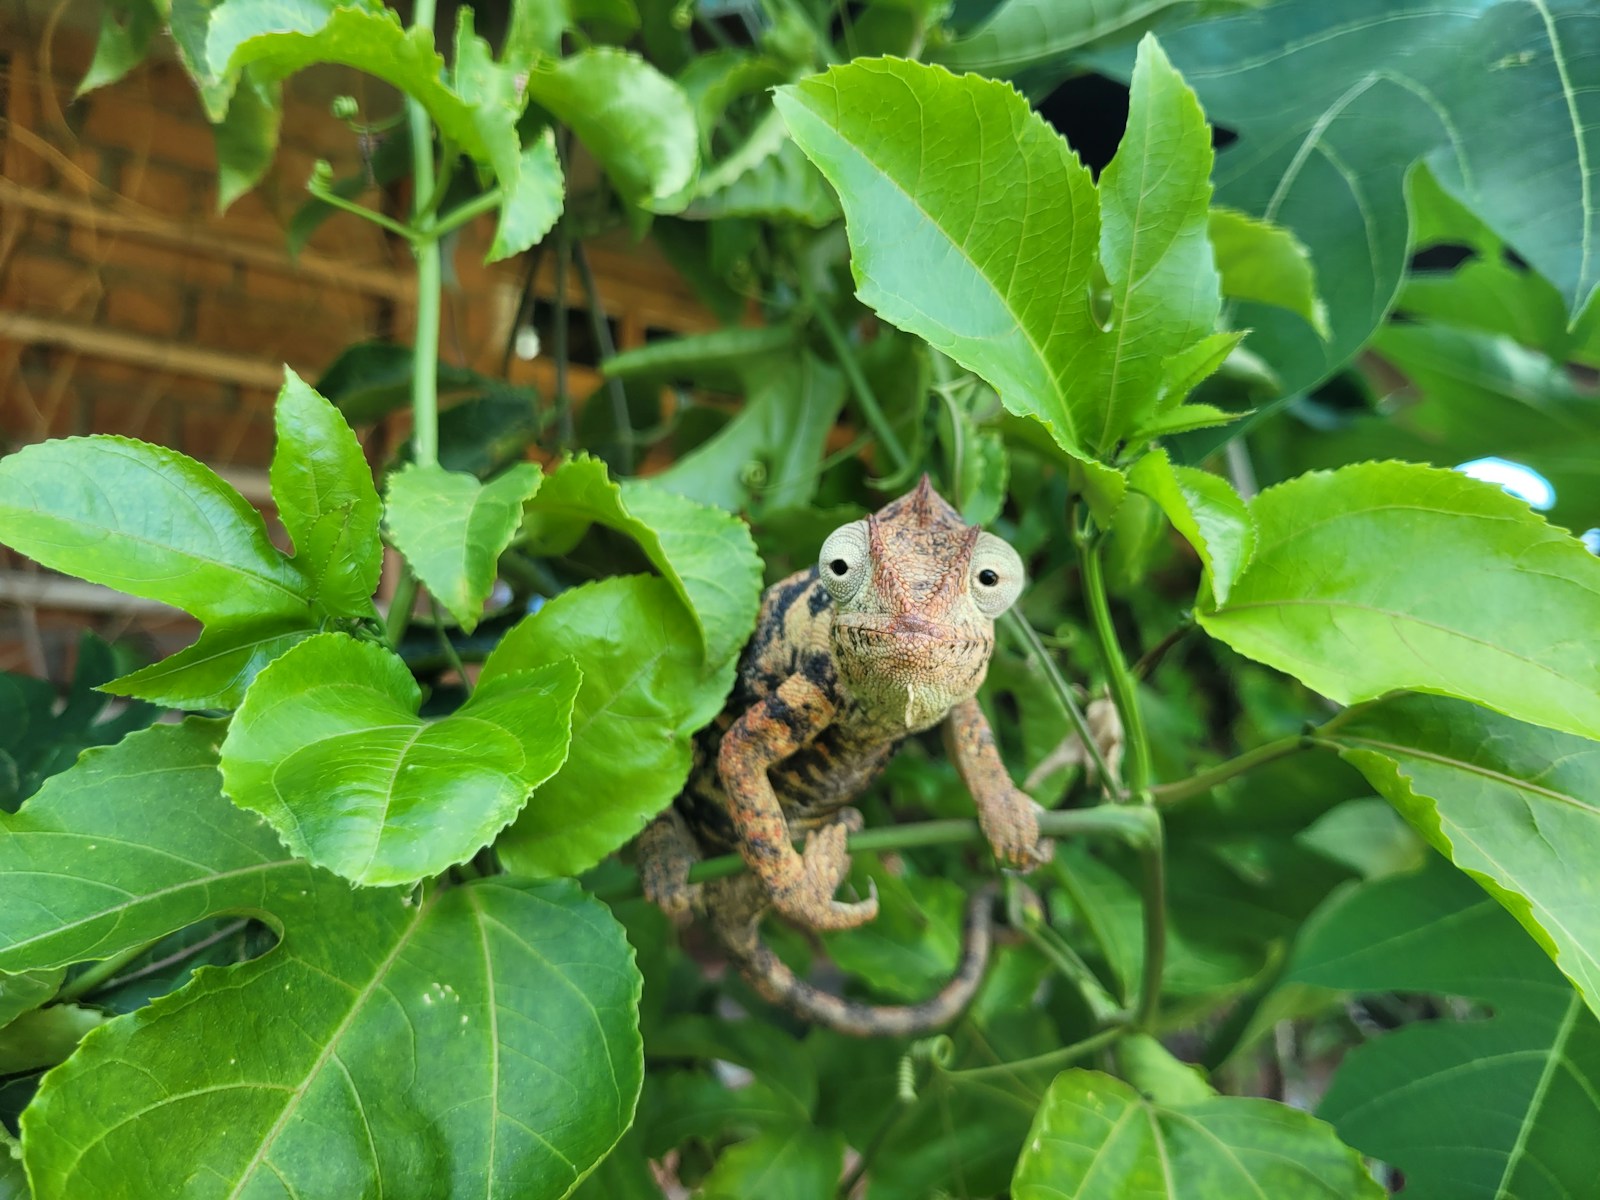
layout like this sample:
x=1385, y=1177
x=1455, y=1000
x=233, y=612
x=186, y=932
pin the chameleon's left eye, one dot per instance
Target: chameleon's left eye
x=997, y=575
x=843, y=561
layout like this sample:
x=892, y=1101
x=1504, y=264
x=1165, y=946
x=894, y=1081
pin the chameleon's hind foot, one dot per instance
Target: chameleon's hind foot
x=809, y=899
x=666, y=852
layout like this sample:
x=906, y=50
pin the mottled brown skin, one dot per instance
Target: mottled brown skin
x=888, y=636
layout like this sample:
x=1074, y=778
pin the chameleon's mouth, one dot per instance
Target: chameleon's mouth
x=906, y=628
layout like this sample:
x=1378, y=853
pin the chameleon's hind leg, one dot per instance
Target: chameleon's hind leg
x=666, y=852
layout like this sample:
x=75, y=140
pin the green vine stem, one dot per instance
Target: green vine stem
x=1137, y=826
x=1123, y=691
x=1054, y=1060
x=608, y=349
x=1153, y=858
x=1029, y=637
x=1202, y=782
x=97, y=974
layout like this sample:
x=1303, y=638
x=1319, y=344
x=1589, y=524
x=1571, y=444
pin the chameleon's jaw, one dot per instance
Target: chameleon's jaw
x=909, y=671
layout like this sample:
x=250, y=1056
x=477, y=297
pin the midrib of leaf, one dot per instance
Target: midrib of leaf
x=494, y=1039
x=388, y=796
x=297, y=1094
x=1064, y=411
x=1536, y=1101
x=1570, y=97
x=1128, y=286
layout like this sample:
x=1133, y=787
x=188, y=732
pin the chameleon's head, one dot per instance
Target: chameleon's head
x=916, y=591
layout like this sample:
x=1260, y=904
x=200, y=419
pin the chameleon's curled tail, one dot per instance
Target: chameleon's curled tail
x=767, y=973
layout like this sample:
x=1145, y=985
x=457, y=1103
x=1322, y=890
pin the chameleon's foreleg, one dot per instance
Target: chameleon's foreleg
x=801, y=885
x=1008, y=815
x=666, y=852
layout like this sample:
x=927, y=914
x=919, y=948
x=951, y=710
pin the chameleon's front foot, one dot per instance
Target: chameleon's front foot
x=806, y=895
x=1012, y=827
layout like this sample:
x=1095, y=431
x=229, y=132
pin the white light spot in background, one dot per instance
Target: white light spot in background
x=527, y=345
x=1520, y=481
x=1591, y=539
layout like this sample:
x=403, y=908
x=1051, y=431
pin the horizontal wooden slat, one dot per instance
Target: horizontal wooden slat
x=139, y=351
x=39, y=590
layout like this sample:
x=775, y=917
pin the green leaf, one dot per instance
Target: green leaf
x=1096, y=1137
x=82, y=879
x=328, y=747
x=799, y=1163
x=326, y=500
x=1511, y=804
x=148, y=521
x=1155, y=198
x=126, y=27
x=765, y=458
x=26, y=991
x=246, y=138
x=634, y=120
x=1393, y=612
x=1206, y=510
x=44, y=1037
x=780, y=186
x=276, y=40
x=1490, y=96
x=1184, y=372
x=644, y=693
x=481, y=1040
x=1022, y=33
x=1264, y=262
x=1492, y=1108
x=723, y=360
x=533, y=206
x=1008, y=298
x=452, y=529
x=706, y=555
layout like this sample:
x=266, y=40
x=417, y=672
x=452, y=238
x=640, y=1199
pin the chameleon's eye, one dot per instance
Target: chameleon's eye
x=843, y=561
x=997, y=575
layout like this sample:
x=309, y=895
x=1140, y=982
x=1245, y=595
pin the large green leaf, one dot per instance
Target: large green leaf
x=1500, y=1107
x=146, y=520
x=1386, y=576
x=707, y=556
x=326, y=500
x=635, y=121
x=1097, y=1138
x=645, y=691
x=1515, y=806
x=81, y=878
x=452, y=529
x=1266, y=263
x=530, y=209
x=1155, y=249
x=1491, y=94
x=947, y=240
x=477, y=1041
x=328, y=747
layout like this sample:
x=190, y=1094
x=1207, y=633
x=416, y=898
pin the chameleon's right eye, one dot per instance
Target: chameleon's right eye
x=843, y=561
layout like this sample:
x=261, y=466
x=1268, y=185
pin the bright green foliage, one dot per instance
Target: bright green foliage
x=1443, y=584
x=1511, y=804
x=534, y=205
x=1491, y=1108
x=1265, y=263
x=635, y=121
x=44, y=1037
x=452, y=529
x=326, y=500
x=423, y=1016
x=328, y=747
x=950, y=238
x=1095, y=1137
x=82, y=879
x=1008, y=298
x=645, y=691
x=706, y=555
x=1490, y=94
x=1206, y=510
x=797, y=1163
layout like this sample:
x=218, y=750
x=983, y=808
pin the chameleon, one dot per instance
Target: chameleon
x=888, y=635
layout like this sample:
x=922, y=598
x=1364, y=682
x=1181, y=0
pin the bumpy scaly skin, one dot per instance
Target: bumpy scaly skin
x=826, y=691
